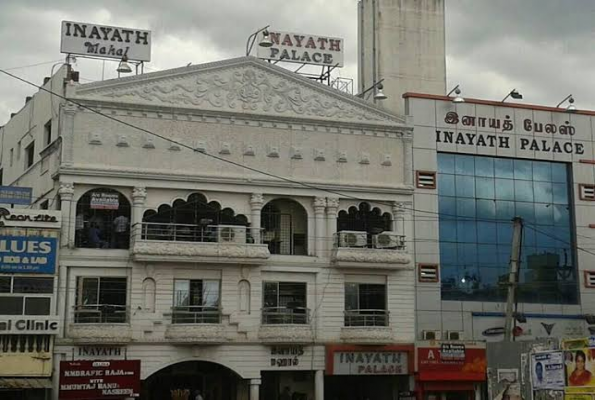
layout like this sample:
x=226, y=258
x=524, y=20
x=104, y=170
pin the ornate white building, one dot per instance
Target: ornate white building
x=183, y=248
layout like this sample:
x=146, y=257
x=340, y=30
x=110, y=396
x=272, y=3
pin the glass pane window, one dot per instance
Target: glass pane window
x=197, y=293
x=101, y=300
x=475, y=242
x=33, y=285
x=37, y=306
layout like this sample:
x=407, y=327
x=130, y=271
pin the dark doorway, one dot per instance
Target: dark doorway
x=214, y=381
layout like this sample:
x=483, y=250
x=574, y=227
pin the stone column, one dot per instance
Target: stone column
x=319, y=221
x=66, y=192
x=139, y=196
x=332, y=206
x=398, y=210
x=67, y=132
x=408, y=159
x=254, y=389
x=319, y=385
x=256, y=203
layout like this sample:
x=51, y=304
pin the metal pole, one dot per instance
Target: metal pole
x=515, y=255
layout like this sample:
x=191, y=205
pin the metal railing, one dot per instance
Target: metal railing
x=285, y=315
x=195, y=315
x=198, y=233
x=366, y=317
x=101, y=314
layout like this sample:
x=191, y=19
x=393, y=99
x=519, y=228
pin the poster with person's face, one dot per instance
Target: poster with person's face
x=547, y=370
x=580, y=367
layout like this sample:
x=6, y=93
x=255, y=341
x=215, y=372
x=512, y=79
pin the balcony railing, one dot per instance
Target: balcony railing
x=198, y=233
x=285, y=316
x=195, y=315
x=366, y=317
x=101, y=314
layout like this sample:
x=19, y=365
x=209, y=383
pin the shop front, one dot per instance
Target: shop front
x=368, y=372
x=450, y=370
x=289, y=376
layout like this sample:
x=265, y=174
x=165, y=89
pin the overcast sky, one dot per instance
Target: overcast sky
x=544, y=48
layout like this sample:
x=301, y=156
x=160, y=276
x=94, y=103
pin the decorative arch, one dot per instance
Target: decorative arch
x=102, y=220
x=214, y=380
x=284, y=223
x=152, y=371
x=364, y=218
x=149, y=294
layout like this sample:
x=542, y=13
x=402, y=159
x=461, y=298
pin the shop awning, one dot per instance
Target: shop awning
x=25, y=383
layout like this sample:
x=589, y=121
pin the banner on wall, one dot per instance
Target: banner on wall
x=547, y=370
x=580, y=367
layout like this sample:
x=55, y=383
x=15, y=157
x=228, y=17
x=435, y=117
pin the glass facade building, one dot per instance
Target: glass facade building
x=478, y=197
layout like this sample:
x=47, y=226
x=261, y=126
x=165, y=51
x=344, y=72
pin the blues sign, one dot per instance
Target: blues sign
x=28, y=254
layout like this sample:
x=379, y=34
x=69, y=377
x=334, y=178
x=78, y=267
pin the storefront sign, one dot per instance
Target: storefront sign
x=114, y=379
x=105, y=201
x=100, y=351
x=28, y=254
x=489, y=327
x=407, y=395
x=303, y=49
x=105, y=41
x=370, y=363
x=502, y=139
x=451, y=361
x=286, y=356
x=15, y=195
x=29, y=218
x=38, y=325
x=580, y=367
x=547, y=370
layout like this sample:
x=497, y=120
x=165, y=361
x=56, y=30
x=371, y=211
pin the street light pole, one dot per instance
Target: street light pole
x=515, y=256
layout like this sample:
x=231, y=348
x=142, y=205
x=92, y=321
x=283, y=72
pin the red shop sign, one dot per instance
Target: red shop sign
x=451, y=362
x=93, y=379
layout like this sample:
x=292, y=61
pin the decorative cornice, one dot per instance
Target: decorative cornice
x=100, y=333
x=368, y=335
x=285, y=334
x=352, y=257
x=195, y=333
x=152, y=250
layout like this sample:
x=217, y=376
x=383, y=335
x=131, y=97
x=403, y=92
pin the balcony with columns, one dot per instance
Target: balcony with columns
x=370, y=239
x=198, y=230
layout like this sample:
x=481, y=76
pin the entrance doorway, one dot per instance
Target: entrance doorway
x=364, y=387
x=185, y=380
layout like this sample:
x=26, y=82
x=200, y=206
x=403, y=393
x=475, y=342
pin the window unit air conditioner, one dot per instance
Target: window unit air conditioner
x=454, y=335
x=388, y=240
x=231, y=234
x=353, y=239
x=431, y=335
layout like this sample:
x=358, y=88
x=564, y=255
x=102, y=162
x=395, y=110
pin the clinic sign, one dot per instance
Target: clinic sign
x=303, y=48
x=28, y=254
x=113, y=379
x=105, y=41
x=37, y=326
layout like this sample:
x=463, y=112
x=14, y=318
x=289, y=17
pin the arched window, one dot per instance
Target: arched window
x=102, y=220
x=194, y=220
x=285, y=226
x=364, y=218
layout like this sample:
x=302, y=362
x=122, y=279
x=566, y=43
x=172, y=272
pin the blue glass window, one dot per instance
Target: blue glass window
x=478, y=197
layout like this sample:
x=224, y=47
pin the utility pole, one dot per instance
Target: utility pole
x=515, y=257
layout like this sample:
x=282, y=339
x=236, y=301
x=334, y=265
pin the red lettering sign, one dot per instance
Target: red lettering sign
x=432, y=365
x=99, y=379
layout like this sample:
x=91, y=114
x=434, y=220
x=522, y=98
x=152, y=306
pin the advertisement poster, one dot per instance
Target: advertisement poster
x=580, y=367
x=547, y=370
x=28, y=254
x=114, y=379
x=578, y=396
x=451, y=361
x=105, y=201
x=508, y=378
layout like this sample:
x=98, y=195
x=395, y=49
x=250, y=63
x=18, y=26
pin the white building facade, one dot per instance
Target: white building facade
x=185, y=250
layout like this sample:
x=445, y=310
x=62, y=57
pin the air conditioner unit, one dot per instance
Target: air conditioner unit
x=231, y=234
x=454, y=335
x=431, y=335
x=388, y=240
x=353, y=239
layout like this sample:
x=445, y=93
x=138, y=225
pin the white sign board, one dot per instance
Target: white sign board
x=370, y=363
x=547, y=370
x=39, y=325
x=303, y=49
x=105, y=41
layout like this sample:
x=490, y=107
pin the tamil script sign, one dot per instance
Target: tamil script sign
x=303, y=49
x=15, y=195
x=28, y=254
x=370, y=363
x=114, y=379
x=105, y=41
x=547, y=370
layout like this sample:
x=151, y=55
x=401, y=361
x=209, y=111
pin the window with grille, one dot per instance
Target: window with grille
x=428, y=273
x=365, y=304
x=101, y=300
x=25, y=295
x=196, y=301
x=285, y=303
x=425, y=179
